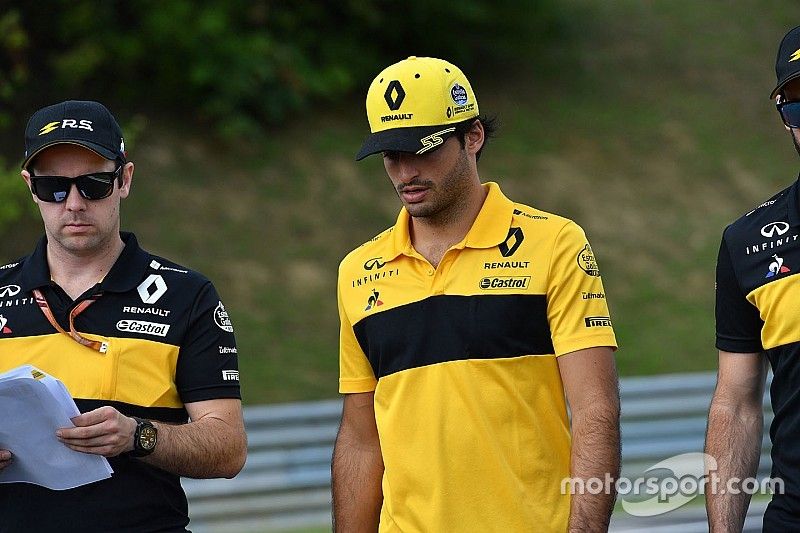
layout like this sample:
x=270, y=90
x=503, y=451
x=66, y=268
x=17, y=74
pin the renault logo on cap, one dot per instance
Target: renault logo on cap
x=394, y=102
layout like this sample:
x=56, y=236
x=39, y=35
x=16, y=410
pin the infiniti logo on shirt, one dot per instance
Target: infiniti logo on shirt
x=9, y=290
x=375, y=263
x=774, y=228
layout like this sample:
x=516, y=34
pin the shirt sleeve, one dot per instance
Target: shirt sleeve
x=577, y=310
x=355, y=372
x=738, y=321
x=208, y=366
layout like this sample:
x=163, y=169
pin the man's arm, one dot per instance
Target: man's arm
x=212, y=444
x=733, y=437
x=357, y=467
x=592, y=390
x=5, y=458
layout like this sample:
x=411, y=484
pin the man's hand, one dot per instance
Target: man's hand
x=5, y=458
x=104, y=431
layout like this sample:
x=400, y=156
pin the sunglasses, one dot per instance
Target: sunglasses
x=94, y=186
x=790, y=113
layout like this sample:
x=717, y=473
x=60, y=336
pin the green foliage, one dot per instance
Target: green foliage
x=13, y=68
x=236, y=66
x=15, y=197
x=241, y=64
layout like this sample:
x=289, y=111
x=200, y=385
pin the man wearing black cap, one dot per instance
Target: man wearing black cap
x=463, y=328
x=144, y=345
x=757, y=324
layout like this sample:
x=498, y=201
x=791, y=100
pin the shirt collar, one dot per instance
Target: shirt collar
x=489, y=229
x=124, y=275
x=491, y=226
x=792, y=204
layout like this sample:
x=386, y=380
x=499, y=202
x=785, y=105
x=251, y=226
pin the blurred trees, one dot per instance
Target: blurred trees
x=236, y=66
x=240, y=64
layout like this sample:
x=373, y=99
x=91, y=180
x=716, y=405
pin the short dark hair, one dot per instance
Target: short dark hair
x=489, y=131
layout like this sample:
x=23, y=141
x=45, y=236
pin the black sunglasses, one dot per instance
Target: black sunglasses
x=790, y=112
x=94, y=186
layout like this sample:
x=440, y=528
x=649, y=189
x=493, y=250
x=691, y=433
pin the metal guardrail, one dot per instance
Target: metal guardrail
x=286, y=481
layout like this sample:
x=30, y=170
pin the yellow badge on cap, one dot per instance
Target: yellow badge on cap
x=47, y=128
x=795, y=56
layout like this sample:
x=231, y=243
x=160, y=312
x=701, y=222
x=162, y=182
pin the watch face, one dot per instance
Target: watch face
x=147, y=438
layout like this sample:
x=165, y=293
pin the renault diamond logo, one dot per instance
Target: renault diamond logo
x=151, y=289
x=9, y=291
x=512, y=242
x=394, y=102
x=774, y=228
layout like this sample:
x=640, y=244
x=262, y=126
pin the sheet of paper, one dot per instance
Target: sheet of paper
x=31, y=410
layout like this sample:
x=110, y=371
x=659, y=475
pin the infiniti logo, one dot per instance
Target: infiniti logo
x=774, y=228
x=9, y=290
x=375, y=262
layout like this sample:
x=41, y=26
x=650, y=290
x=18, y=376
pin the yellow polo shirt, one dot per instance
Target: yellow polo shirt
x=469, y=402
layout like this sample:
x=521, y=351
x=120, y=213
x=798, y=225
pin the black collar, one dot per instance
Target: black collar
x=127, y=272
x=793, y=204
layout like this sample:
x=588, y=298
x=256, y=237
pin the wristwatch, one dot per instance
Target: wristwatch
x=144, y=439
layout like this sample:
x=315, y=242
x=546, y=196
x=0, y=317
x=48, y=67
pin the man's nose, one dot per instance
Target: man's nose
x=407, y=167
x=74, y=201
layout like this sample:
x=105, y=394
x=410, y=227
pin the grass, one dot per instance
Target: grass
x=651, y=128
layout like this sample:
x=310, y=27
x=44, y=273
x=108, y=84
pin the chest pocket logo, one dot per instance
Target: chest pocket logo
x=152, y=288
x=512, y=242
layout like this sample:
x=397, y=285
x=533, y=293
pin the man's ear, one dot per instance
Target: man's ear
x=26, y=176
x=475, y=137
x=125, y=180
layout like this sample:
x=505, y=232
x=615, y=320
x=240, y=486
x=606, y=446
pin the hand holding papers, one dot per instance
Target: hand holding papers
x=33, y=406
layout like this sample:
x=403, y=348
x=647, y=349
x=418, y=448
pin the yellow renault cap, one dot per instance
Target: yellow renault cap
x=413, y=106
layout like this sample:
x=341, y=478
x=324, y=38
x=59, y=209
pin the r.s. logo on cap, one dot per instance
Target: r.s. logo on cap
x=66, y=123
x=795, y=56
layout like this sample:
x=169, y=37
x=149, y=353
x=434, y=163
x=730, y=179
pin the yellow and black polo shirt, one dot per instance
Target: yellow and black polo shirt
x=469, y=402
x=758, y=309
x=169, y=342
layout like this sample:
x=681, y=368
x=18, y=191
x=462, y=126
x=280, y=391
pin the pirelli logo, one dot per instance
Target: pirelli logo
x=504, y=282
x=597, y=321
x=230, y=375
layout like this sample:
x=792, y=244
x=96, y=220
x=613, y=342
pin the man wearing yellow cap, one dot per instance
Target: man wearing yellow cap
x=463, y=328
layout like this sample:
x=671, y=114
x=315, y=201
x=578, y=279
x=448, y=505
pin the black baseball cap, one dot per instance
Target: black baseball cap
x=787, y=64
x=84, y=123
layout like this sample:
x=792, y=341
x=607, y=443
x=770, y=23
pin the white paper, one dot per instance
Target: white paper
x=31, y=410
